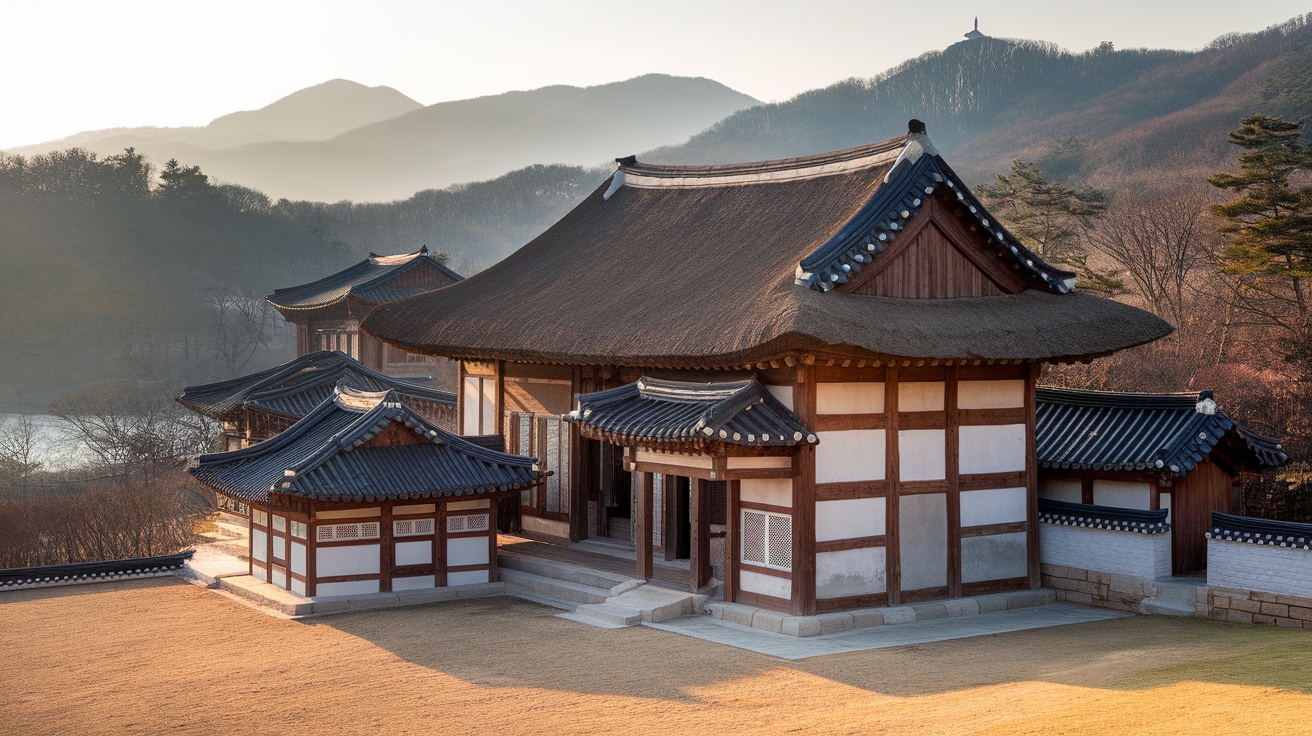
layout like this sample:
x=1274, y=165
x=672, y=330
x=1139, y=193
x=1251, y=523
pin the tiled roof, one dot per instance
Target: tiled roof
x=661, y=411
x=1169, y=433
x=918, y=172
x=297, y=386
x=324, y=457
x=369, y=280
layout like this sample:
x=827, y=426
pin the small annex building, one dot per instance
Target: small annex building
x=365, y=495
x=859, y=308
x=327, y=312
x=1147, y=452
x=257, y=406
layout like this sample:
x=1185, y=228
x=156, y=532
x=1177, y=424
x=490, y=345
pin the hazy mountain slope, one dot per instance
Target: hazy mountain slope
x=313, y=113
x=482, y=138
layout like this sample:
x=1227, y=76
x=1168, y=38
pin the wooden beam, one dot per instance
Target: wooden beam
x=699, y=549
x=642, y=525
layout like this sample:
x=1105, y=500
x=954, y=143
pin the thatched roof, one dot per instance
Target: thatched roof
x=702, y=267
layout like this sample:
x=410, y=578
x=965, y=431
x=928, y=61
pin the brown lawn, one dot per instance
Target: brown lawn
x=163, y=656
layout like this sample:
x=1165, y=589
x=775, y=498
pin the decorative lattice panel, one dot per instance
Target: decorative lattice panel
x=780, y=542
x=754, y=536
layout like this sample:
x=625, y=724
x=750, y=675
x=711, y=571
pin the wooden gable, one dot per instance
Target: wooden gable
x=938, y=256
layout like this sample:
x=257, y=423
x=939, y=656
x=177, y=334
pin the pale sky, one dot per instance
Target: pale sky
x=75, y=66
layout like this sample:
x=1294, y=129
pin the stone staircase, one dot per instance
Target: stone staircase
x=1175, y=597
x=597, y=598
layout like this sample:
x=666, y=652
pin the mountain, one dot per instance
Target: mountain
x=313, y=113
x=400, y=148
x=1105, y=115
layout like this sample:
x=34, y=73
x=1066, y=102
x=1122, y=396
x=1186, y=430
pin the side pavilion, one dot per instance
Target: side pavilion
x=861, y=308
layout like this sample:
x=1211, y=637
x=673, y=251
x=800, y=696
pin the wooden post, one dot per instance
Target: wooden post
x=952, y=462
x=892, y=464
x=699, y=555
x=1032, y=474
x=731, y=493
x=646, y=509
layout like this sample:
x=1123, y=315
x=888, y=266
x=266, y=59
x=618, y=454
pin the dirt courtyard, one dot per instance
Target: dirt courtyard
x=163, y=656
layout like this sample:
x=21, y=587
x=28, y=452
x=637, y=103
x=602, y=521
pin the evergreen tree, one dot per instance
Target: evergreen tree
x=1269, y=227
x=1051, y=219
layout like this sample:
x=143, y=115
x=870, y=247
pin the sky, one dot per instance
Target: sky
x=77, y=66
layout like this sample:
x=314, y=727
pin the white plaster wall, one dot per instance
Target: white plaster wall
x=298, y=586
x=298, y=558
x=348, y=513
x=466, y=551
x=259, y=545
x=993, y=506
x=550, y=527
x=855, y=454
x=849, y=518
x=469, y=577
x=772, y=491
x=1127, y=553
x=865, y=397
x=412, y=583
x=991, y=394
x=353, y=559
x=1122, y=494
x=994, y=557
x=414, y=553
x=355, y=587
x=992, y=449
x=416, y=508
x=480, y=503
x=922, y=454
x=850, y=572
x=1282, y=570
x=920, y=396
x=1070, y=491
x=923, y=540
x=784, y=394
x=755, y=582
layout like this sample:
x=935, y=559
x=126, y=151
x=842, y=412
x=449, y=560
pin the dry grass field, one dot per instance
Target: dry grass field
x=162, y=656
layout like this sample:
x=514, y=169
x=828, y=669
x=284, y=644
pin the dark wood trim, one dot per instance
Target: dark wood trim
x=990, y=417
x=803, y=589
x=951, y=465
x=844, y=422
x=846, y=490
x=892, y=487
x=916, y=487
x=988, y=481
x=838, y=545
x=984, y=530
x=642, y=526
x=731, y=521
x=1032, y=474
x=921, y=420
x=925, y=594
x=870, y=600
x=699, y=547
x=772, y=572
x=995, y=586
x=756, y=506
x=764, y=601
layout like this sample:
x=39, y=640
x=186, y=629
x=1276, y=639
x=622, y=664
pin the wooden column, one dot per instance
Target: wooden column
x=952, y=461
x=892, y=462
x=386, y=549
x=699, y=554
x=1032, y=474
x=803, y=590
x=646, y=509
x=731, y=493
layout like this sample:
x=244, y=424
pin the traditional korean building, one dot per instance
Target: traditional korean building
x=1149, y=452
x=365, y=495
x=327, y=312
x=843, y=347
x=255, y=407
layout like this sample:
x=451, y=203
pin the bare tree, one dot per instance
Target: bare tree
x=242, y=326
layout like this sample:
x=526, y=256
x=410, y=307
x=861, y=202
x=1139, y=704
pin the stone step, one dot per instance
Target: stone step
x=552, y=588
x=560, y=571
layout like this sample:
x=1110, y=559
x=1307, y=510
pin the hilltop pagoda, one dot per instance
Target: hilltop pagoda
x=813, y=378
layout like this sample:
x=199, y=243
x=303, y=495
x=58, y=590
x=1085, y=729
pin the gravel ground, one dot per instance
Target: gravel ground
x=163, y=656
